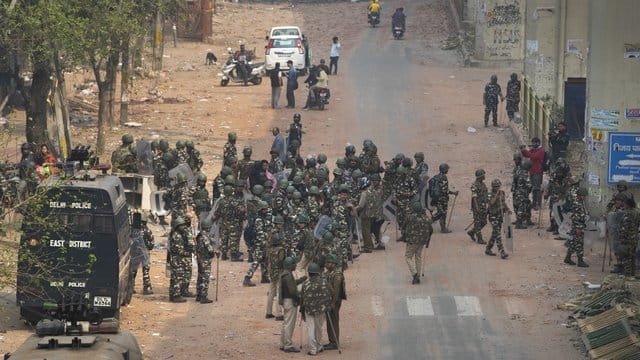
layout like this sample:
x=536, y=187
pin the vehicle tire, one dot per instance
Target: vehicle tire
x=321, y=105
x=31, y=316
x=224, y=82
x=256, y=81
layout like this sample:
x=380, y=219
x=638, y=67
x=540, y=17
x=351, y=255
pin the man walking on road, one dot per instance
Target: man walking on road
x=289, y=299
x=497, y=208
x=292, y=85
x=279, y=144
x=418, y=234
x=336, y=284
x=334, y=56
x=439, y=193
x=479, y=194
x=513, y=96
x=492, y=92
x=536, y=155
x=316, y=301
x=578, y=224
x=276, y=85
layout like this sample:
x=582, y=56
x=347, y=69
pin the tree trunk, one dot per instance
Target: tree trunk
x=110, y=82
x=36, y=103
x=138, y=49
x=124, y=84
x=61, y=106
x=100, y=141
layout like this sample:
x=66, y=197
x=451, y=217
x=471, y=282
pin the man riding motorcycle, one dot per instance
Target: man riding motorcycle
x=374, y=8
x=317, y=79
x=398, y=19
x=243, y=57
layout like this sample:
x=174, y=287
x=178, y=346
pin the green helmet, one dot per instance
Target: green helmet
x=297, y=195
x=226, y=171
x=290, y=189
x=268, y=184
x=327, y=236
x=262, y=205
x=416, y=206
x=231, y=160
x=322, y=158
x=180, y=144
x=276, y=239
x=314, y=190
x=189, y=144
x=127, y=139
x=343, y=188
x=341, y=162
x=201, y=177
x=526, y=164
x=232, y=136
x=283, y=184
x=496, y=183
x=297, y=180
x=375, y=177
x=230, y=180
x=257, y=189
x=289, y=263
x=181, y=178
x=154, y=145
x=356, y=173
x=278, y=219
x=480, y=172
x=240, y=183
x=302, y=218
x=366, y=144
x=419, y=155
x=517, y=156
x=267, y=197
x=178, y=221
x=227, y=190
x=338, y=171
x=163, y=144
x=206, y=224
x=399, y=157
x=444, y=167
x=247, y=151
x=168, y=157
x=331, y=259
x=314, y=268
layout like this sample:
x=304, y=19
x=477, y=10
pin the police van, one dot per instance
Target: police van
x=75, y=251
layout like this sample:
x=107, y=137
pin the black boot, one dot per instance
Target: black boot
x=443, y=226
x=250, y=258
x=265, y=278
x=503, y=255
x=177, y=299
x=416, y=279
x=581, y=263
x=236, y=257
x=224, y=256
x=147, y=291
x=247, y=282
x=205, y=300
x=567, y=259
x=479, y=238
x=520, y=226
x=471, y=235
x=162, y=220
x=489, y=252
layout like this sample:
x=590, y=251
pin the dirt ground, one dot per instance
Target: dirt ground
x=195, y=106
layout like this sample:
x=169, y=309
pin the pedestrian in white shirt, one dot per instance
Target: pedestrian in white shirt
x=335, y=55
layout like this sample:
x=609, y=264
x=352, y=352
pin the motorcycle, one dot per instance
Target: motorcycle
x=374, y=19
x=398, y=32
x=320, y=98
x=230, y=73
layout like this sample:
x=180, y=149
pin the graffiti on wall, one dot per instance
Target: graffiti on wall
x=503, y=32
x=504, y=15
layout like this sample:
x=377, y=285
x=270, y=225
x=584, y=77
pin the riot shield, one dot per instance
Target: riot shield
x=321, y=226
x=613, y=226
x=389, y=209
x=508, y=232
x=182, y=169
x=564, y=228
x=144, y=157
x=556, y=210
x=282, y=175
x=157, y=203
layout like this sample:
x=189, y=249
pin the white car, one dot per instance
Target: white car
x=285, y=31
x=282, y=48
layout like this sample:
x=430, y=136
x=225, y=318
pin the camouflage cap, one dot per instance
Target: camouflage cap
x=314, y=268
x=230, y=180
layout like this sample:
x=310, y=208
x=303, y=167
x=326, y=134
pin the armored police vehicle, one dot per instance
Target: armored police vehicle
x=74, y=257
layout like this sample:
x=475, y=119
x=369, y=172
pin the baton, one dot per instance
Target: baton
x=334, y=332
x=453, y=205
x=217, y=275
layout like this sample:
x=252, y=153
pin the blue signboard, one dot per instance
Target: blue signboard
x=624, y=157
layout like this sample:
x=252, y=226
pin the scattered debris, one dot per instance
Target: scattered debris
x=471, y=129
x=132, y=124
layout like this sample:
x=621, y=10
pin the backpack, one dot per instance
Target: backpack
x=250, y=232
x=434, y=189
x=546, y=162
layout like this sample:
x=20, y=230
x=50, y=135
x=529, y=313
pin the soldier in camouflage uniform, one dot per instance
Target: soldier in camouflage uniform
x=180, y=250
x=490, y=100
x=275, y=258
x=181, y=152
x=313, y=204
x=229, y=148
x=232, y=213
x=289, y=299
x=353, y=162
x=556, y=190
x=370, y=209
x=245, y=164
x=517, y=167
x=307, y=245
x=206, y=248
x=280, y=202
x=513, y=96
x=337, y=288
x=142, y=243
x=232, y=162
x=316, y=301
x=496, y=209
x=623, y=188
x=178, y=198
x=339, y=215
x=264, y=230
x=479, y=194
x=161, y=171
x=311, y=172
x=389, y=180
x=355, y=185
x=369, y=160
x=195, y=160
x=219, y=182
x=252, y=204
x=440, y=197
x=123, y=159
x=628, y=236
x=579, y=219
x=421, y=171
x=417, y=234
x=275, y=165
x=322, y=162
x=200, y=195
x=521, y=190
x=405, y=191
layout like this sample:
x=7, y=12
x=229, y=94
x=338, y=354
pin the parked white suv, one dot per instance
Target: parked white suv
x=283, y=44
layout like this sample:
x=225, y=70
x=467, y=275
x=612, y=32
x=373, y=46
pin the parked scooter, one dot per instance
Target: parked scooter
x=230, y=73
x=398, y=32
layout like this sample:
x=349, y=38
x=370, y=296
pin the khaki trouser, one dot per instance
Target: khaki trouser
x=333, y=318
x=274, y=290
x=365, y=223
x=314, y=331
x=413, y=256
x=289, y=324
